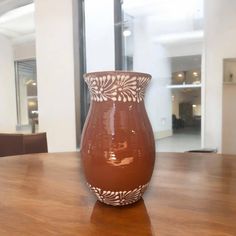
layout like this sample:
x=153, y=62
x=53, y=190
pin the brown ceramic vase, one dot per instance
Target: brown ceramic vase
x=117, y=145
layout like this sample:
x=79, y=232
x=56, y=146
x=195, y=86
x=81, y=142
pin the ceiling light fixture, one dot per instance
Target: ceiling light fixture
x=126, y=33
x=195, y=73
x=31, y=103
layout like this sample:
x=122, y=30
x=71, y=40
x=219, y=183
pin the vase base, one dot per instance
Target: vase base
x=118, y=198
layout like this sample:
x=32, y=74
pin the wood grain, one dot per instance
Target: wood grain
x=190, y=194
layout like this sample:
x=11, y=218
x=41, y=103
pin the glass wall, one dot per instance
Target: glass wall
x=26, y=91
x=165, y=39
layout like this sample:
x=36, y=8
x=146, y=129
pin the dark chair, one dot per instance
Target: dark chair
x=35, y=143
x=11, y=144
x=177, y=123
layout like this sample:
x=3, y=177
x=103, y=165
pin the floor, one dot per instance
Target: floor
x=181, y=141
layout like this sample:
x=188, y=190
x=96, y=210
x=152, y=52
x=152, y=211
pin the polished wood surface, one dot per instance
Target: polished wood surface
x=190, y=194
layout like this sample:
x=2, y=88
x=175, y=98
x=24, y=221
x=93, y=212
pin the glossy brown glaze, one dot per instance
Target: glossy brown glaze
x=190, y=194
x=117, y=146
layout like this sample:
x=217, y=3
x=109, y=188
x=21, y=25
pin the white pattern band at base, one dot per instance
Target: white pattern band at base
x=118, y=198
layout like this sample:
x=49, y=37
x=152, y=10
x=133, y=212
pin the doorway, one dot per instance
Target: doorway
x=186, y=105
x=165, y=39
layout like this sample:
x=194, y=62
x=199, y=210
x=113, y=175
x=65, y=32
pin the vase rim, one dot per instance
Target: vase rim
x=116, y=72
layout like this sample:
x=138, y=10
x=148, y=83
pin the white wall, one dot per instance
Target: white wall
x=100, y=51
x=229, y=119
x=7, y=87
x=55, y=70
x=151, y=58
x=220, y=32
x=24, y=51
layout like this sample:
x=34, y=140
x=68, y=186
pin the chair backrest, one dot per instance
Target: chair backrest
x=35, y=143
x=11, y=144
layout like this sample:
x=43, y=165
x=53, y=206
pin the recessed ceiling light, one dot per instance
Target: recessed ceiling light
x=180, y=75
x=195, y=73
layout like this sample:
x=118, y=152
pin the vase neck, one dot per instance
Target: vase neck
x=117, y=87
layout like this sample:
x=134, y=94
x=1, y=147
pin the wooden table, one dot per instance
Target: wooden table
x=190, y=194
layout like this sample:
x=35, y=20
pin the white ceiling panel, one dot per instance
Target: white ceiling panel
x=18, y=23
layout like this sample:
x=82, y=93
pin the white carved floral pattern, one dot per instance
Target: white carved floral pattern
x=121, y=88
x=142, y=82
x=119, y=198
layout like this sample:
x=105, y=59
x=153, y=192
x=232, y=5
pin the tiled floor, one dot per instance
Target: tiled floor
x=181, y=141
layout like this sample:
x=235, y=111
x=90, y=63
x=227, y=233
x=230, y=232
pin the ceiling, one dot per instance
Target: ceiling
x=8, y=5
x=169, y=22
x=167, y=10
x=187, y=95
x=18, y=23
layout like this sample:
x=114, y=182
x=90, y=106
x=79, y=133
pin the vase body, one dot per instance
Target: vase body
x=117, y=144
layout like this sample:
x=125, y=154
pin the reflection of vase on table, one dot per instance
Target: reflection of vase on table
x=117, y=146
x=128, y=220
